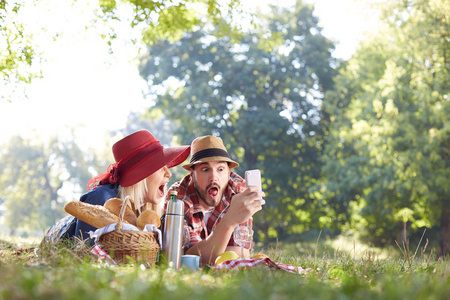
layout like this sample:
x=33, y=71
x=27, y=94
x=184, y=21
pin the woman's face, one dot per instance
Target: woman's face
x=156, y=185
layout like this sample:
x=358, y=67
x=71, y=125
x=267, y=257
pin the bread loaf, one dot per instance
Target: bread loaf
x=148, y=216
x=114, y=205
x=95, y=215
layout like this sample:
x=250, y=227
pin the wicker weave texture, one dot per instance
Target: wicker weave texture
x=141, y=246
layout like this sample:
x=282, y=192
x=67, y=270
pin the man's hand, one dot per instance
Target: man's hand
x=243, y=206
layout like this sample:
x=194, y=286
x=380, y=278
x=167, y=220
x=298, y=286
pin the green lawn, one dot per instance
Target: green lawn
x=358, y=272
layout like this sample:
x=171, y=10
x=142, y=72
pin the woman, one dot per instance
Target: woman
x=141, y=171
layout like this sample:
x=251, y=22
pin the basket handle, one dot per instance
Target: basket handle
x=122, y=212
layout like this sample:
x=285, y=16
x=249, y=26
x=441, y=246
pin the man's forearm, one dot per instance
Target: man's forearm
x=237, y=249
x=214, y=245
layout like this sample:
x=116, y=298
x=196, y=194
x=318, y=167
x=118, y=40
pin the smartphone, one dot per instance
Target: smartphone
x=253, y=178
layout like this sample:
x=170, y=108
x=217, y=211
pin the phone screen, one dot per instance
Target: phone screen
x=253, y=178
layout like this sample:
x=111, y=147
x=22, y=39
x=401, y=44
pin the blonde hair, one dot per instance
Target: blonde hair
x=137, y=192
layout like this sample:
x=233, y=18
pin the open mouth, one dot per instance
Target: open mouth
x=213, y=191
x=162, y=189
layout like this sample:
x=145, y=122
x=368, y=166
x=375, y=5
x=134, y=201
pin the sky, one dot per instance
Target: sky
x=86, y=88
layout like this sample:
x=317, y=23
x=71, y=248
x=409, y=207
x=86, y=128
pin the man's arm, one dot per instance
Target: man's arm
x=237, y=249
x=242, y=207
x=215, y=244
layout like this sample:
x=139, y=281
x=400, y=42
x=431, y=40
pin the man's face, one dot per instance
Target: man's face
x=210, y=181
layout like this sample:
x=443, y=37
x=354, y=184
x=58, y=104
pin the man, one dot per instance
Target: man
x=216, y=200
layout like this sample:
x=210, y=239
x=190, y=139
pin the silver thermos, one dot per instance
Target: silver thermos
x=173, y=231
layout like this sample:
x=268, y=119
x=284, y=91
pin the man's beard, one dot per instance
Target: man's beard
x=203, y=195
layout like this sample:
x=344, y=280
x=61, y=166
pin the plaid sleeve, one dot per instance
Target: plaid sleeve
x=64, y=228
x=237, y=183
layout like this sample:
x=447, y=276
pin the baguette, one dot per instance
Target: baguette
x=95, y=215
x=114, y=205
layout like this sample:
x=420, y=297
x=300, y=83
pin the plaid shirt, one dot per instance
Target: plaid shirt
x=194, y=216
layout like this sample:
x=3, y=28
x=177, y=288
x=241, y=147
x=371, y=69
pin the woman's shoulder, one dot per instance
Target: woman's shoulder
x=100, y=194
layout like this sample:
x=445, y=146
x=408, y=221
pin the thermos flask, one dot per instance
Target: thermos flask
x=173, y=231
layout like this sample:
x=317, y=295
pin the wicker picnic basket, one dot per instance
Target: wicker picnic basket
x=141, y=246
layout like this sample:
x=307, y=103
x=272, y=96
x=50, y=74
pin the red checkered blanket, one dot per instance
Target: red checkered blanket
x=236, y=264
x=97, y=250
x=247, y=263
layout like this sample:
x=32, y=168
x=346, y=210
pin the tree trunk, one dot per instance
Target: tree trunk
x=445, y=229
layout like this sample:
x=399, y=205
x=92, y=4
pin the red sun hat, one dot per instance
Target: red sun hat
x=138, y=156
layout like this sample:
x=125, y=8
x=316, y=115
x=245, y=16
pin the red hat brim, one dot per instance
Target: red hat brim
x=170, y=157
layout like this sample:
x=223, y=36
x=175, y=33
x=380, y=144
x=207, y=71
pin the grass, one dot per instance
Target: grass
x=359, y=272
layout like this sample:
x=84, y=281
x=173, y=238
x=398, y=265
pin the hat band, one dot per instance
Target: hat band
x=208, y=153
x=128, y=163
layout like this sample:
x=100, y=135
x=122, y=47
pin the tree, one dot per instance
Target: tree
x=38, y=179
x=264, y=105
x=21, y=52
x=387, y=155
x=17, y=52
x=168, y=20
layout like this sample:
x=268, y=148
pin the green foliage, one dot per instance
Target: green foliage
x=169, y=20
x=19, y=60
x=34, y=178
x=387, y=155
x=264, y=105
x=63, y=273
x=17, y=52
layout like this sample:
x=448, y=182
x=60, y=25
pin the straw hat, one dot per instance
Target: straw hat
x=209, y=148
x=137, y=156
